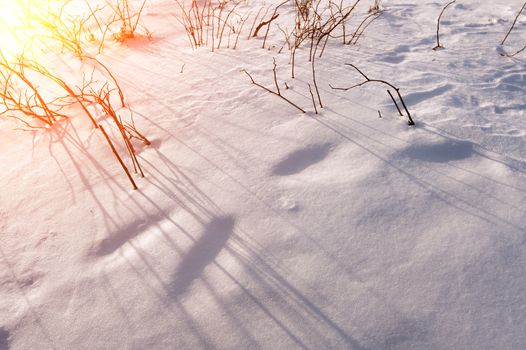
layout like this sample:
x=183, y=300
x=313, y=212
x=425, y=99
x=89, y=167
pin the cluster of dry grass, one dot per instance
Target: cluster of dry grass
x=213, y=23
x=315, y=23
x=210, y=23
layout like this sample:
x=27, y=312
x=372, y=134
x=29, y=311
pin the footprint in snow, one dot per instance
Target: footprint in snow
x=301, y=159
x=289, y=204
x=398, y=55
x=404, y=10
x=125, y=234
x=441, y=152
x=418, y=97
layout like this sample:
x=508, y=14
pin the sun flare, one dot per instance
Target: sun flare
x=11, y=27
x=26, y=25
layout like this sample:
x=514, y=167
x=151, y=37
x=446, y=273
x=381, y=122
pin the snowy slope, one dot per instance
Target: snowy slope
x=257, y=226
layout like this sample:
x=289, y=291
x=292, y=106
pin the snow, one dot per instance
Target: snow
x=258, y=226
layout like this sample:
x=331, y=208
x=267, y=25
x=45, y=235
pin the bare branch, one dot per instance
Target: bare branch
x=369, y=80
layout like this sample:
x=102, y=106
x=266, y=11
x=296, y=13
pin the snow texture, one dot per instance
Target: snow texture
x=259, y=227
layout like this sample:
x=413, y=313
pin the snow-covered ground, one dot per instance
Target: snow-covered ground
x=258, y=226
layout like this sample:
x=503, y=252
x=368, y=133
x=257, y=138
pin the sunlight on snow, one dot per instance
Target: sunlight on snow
x=26, y=26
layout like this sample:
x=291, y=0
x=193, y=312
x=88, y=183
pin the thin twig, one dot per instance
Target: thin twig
x=276, y=77
x=124, y=167
x=313, y=101
x=359, y=35
x=513, y=25
x=264, y=23
x=438, y=24
x=394, y=101
x=517, y=52
x=273, y=92
x=274, y=16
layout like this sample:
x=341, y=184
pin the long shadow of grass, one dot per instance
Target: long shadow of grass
x=204, y=252
x=4, y=339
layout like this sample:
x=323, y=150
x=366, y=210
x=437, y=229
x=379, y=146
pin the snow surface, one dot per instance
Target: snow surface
x=260, y=227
